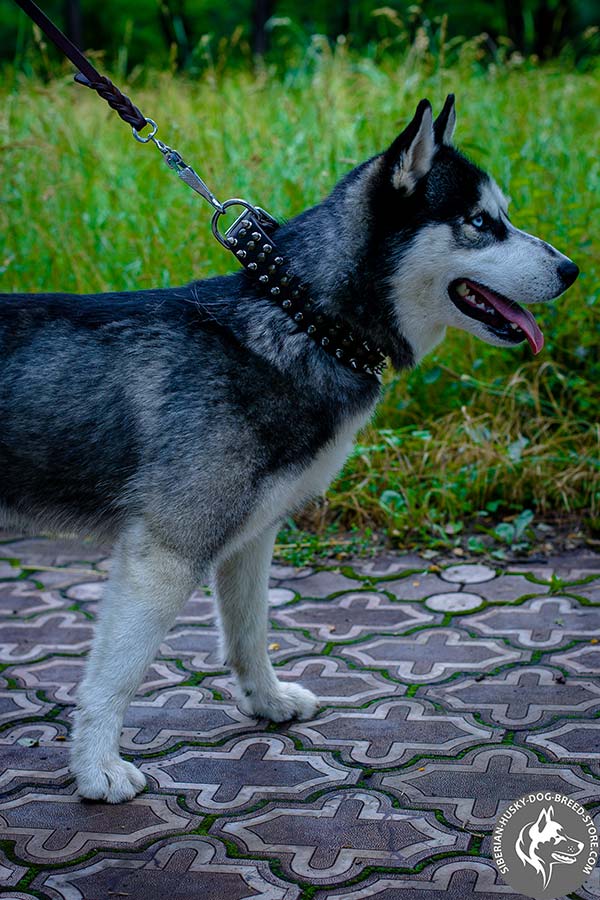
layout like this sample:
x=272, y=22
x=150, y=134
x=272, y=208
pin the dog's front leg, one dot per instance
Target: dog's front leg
x=147, y=587
x=242, y=586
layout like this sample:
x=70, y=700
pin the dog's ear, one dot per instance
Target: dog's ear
x=410, y=156
x=446, y=122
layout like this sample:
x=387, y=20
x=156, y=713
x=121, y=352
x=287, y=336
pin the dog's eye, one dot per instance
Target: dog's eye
x=477, y=221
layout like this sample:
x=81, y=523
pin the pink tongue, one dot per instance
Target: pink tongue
x=518, y=315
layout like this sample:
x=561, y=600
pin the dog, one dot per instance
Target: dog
x=544, y=844
x=184, y=424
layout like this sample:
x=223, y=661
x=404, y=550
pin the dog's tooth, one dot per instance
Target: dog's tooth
x=462, y=289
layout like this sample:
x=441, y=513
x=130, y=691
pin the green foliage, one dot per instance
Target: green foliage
x=474, y=434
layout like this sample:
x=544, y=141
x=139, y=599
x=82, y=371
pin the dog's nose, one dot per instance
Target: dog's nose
x=568, y=272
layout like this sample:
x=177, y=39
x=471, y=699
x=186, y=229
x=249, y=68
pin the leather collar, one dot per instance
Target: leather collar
x=250, y=239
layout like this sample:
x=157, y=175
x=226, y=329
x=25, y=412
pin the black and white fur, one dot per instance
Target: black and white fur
x=185, y=423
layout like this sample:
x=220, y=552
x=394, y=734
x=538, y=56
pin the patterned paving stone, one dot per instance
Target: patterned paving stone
x=7, y=570
x=415, y=586
x=35, y=732
x=572, y=741
x=582, y=660
x=520, y=698
x=463, y=878
x=431, y=655
x=543, y=622
x=46, y=764
x=333, y=838
x=246, y=770
x=60, y=676
x=472, y=791
x=468, y=574
x=455, y=601
x=55, y=826
x=198, y=647
x=52, y=552
x=18, y=705
x=87, y=591
x=331, y=679
x=60, y=632
x=280, y=596
x=287, y=795
x=320, y=584
x=64, y=578
x=10, y=872
x=508, y=589
x=391, y=732
x=351, y=616
x=384, y=566
x=177, y=714
x=184, y=868
x=21, y=598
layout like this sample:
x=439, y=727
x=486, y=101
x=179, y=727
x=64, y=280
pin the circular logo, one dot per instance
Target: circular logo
x=545, y=845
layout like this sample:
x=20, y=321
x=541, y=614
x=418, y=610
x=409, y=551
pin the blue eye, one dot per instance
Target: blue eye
x=477, y=221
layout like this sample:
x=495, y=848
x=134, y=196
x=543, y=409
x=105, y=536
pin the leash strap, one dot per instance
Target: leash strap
x=87, y=75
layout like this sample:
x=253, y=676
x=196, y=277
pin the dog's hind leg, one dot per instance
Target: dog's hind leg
x=147, y=587
x=242, y=582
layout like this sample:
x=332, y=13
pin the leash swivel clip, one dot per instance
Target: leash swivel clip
x=175, y=161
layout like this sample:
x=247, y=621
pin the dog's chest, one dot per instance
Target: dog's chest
x=287, y=491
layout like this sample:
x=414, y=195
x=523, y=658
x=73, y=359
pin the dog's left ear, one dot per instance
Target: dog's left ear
x=446, y=122
x=410, y=156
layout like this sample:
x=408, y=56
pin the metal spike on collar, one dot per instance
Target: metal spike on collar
x=253, y=246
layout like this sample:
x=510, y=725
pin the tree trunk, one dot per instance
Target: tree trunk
x=74, y=22
x=515, y=23
x=262, y=10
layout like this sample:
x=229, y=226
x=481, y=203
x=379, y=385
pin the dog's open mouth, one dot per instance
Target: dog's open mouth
x=504, y=318
x=563, y=857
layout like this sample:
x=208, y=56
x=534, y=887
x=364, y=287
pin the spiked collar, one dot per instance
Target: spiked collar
x=250, y=238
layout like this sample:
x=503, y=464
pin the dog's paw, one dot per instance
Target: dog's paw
x=290, y=701
x=113, y=780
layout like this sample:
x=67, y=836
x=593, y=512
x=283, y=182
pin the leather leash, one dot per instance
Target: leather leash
x=250, y=237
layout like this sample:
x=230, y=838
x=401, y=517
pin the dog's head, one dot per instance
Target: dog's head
x=453, y=256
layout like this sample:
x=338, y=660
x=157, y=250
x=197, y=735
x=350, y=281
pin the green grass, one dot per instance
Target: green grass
x=475, y=429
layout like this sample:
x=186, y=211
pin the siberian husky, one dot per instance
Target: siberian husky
x=185, y=423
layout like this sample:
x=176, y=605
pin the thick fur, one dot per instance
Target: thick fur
x=185, y=423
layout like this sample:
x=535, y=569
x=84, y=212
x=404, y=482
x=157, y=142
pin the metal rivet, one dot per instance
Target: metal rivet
x=256, y=235
x=264, y=279
x=251, y=245
x=261, y=257
x=253, y=267
x=353, y=363
x=246, y=223
x=295, y=293
x=298, y=317
x=275, y=291
x=232, y=241
x=242, y=232
x=267, y=248
x=325, y=341
x=271, y=269
x=286, y=304
x=283, y=278
x=279, y=260
x=339, y=354
x=241, y=254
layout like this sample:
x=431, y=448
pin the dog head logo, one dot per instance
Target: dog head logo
x=544, y=844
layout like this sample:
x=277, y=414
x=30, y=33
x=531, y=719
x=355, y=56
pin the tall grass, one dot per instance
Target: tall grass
x=475, y=428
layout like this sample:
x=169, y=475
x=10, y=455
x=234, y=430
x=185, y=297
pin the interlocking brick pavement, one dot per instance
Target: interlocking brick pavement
x=446, y=692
